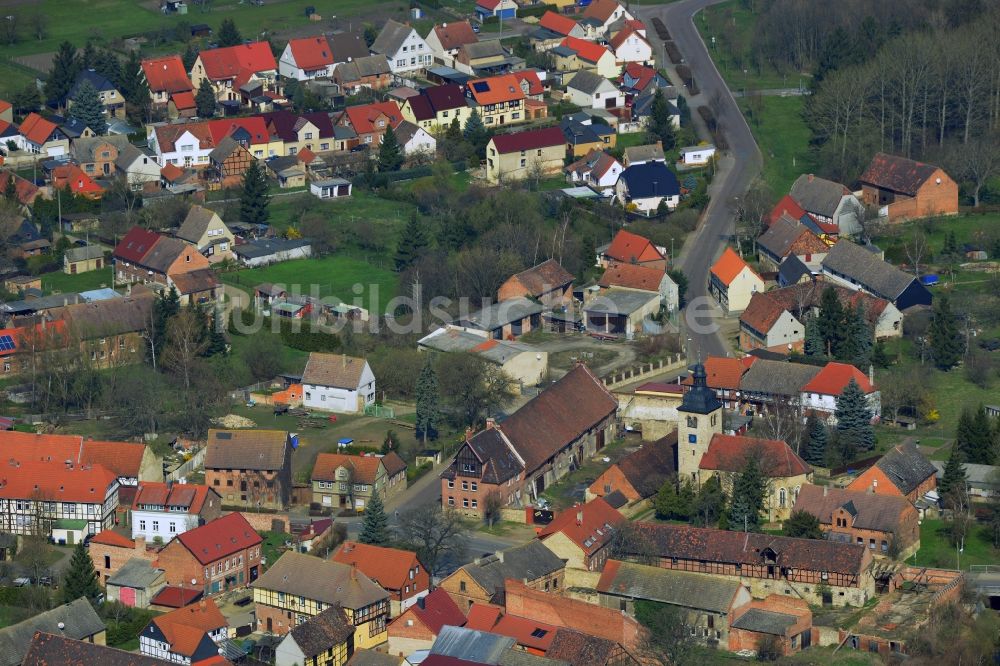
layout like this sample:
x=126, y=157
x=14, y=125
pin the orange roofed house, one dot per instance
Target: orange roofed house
x=902, y=471
x=218, y=556
x=397, y=571
x=548, y=282
x=569, y=421
x=189, y=635
x=582, y=535
x=498, y=99
x=904, y=189
x=235, y=71
x=822, y=392
x=370, y=121
x=732, y=282
x=418, y=626
x=170, y=87
x=629, y=248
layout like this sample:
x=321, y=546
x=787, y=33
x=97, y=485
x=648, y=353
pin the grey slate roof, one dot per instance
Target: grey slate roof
x=79, y=620
x=867, y=269
x=164, y=252
x=321, y=580
x=620, y=301
x=779, y=238
x=195, y=224
x=344, y=45
x=391, y=39
x=700, y=399
x=368, y=66
x=587, y=82
x=478, y=647
x=777, y=377
x=405, y=131
x=84, y=253
x=791, y=270
x=905, y=466
x=977, y=476
x=677, y=588
x=266, y=247
x=322, y=632
x=764, y=622
x=525, y=562
x=137, y=573
x=83, y=149
x=500, y=314
x=817, y=195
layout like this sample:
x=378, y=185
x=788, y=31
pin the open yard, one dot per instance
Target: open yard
x=936, y=549
x=343, y=277
x=781, y=132
x=62, y=283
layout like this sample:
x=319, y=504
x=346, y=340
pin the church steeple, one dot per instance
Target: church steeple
x=700, y=399
x=699, y=417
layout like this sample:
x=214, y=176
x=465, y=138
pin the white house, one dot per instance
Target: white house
x=337, y=383
x=179, y=146
x=137, y=166
x=697, y=155
x=594, y=91
x=602, y=13
x=331, y=188
x=825, y=388
x=307, y=58
x=415, y=140
x=732, y=282
x=597, y=170
x=445, y=39
x=163, y=510
x=403, y=47
x=629, y=45
x=642, y=188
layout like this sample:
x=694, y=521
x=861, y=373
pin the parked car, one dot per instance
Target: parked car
x=23, y=581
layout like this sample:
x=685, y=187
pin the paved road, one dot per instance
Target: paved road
x=737, y=169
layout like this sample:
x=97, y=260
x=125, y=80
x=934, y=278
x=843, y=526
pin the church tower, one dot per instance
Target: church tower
x=698, y=418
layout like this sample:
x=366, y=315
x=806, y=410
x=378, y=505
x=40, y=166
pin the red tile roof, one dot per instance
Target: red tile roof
x=167, y=135
x=36, y=129
x=136, y=244
x=528, y=633
x=364, y=116
x=729, y=453
x=49, y=333
x=728, y=266
x=534, y=83
x=5, y=105
x=306, y=156
x=364, y=468
x=73, y=177
x=786, y=205
x=641, y=73
x=724, y=372
x=389, y=567
x=601, y=9
x=167, y=74
x=590, y=526
x=834, y=378
x=27, y=191
x=558, y=23
x=190, y=496
x=238, y=62
x=543, y=278
x=171, y=172
x=185, y=628
x=109, y=538
x=183, y=100
x=220, y=538
x=175, y=597
x=627, y=247
x=495, y=89
x=254, y=126
x=439, y=610
x=762, y=312
x=311, y=53
x=454, y=35
x=51, y=478
x=632, y=276
x=122, y=458
x=528, y=140
x=897, y=174
x=589, y=51
x=623, y=35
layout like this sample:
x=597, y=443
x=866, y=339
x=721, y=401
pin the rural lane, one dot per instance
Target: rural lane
x=740, y=165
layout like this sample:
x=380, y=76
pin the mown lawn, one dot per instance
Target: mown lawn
x=344, y=277
x=62, y=283
x=783, y=137
x=936, y=549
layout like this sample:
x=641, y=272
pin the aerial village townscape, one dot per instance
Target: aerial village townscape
x=499, y=332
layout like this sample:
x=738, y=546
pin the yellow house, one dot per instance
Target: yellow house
x=575, y=54
x=298, y=587
x=525, y=154
x=83, y=259
x=499, y=99
x=437, y=107
x=322, y=640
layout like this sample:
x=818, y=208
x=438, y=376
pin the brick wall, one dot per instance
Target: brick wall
x=265, y=522
x=116, y=556
x=407, y=634
x=281, y=623
x=611, y=480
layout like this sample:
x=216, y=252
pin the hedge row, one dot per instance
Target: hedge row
x=673, y=52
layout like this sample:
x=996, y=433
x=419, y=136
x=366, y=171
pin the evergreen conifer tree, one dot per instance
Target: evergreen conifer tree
x=10, y=189
x=815, y=451
x=831, y=322
x=803, y=525
x=80, y=579
x=229, y=35
x=428, y=399
x=412, y=243
x=660, y=125
x=375, y=526
x=204, y=100
x=954, y=473
x=254, y=200
x=945, y=341
x=964, y=433
x=475, y=132
x=856, y=347
x=981, y=450
x=454, y=131
x=854, y=427
x=65, y=67
x=880, y=357
x=189, y=57
x=747, y=501
x=813, y=342
x=390, y=154
x=675, y=500
x=87, y=108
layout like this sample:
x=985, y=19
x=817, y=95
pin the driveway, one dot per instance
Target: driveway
x=737, y=169
x=624, y=353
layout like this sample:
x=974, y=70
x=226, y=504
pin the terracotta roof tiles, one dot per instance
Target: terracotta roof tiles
x=728, y=266
x=590, y=527
x=167, y=75
x=389, y=567
x=364, y=469
x=834, y=378
x=632, y=276
x=628, y=247
x=898, y=174
x=219, y=538
x=729, y=453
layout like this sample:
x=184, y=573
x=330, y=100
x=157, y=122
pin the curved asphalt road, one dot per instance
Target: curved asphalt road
x=736, y=170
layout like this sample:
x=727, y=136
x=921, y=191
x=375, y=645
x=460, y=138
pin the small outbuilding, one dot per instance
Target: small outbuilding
x=331, y=188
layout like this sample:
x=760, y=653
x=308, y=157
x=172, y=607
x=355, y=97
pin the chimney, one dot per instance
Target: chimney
x=579, y=517
x=811, y=177
x=344, y=359
x=421, y=604
x=468, y=433
x=871, y=374
x=354, y=571
x=491, y=423
x=826, y=491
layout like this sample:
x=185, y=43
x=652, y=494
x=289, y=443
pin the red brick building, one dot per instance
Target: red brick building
x=629, y=248
x=109, y=551
x=250, y=468
x=218, y=556
x=419, y=625
x=790, y=620
x=905, y=189
x=640, y=474
x=397, y=571
x=547, y=282
x=903, y=471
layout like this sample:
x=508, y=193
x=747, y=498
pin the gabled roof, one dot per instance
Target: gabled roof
x=36, y=129
x=786, y=206
x=347, y=46
x=87, y=484
x=76, y=620
x=389, y=567
x=391, y=38
x=321, y=632
x=834, y=378
x=818, y=195
x=713, y=545
x=285, y=124
x=364, y=116
x=871, y=511
x=623, y=35
x=728, y=266
x=438, y=609
x=196, y=223
x=589, y=82
x=73, y=177
x=881, y=278
x=48, y=649
x=321, y=580
x=627, y=247
x=166, y=74
x=786, y=236
x=103, y=318
x=576, y=647
x=188, y=496
x=311, y=53
x=167, y=135
x=185, y=628
x=643, y=75
x=528, y=561
x=543, y=278
x=762, y=312
x=677, y=588
x=651, y=179
x=646, y=153
x=111, y=538
x=183, y=100
x=589, y=51
x=777, y=377
x=252, y=129
x=442, y=98
x=590, y=527
x=632, y=276
x=529, y=634
x=898, y=174
x=906, y=467
x=528, y=139
x=601, y=9
x=490, y=48
x=164, y=253
x=26, y=190
x=454, y=35
x=259, y=450
x=468, y=645
x=535, y=86
x=359, y=68
x=84, y=149
x=363, y=469
x=219, y=538
x=336, y=370
x=557, y=23
x=730, y=453
x=495, y=89
x=238, y=62
x=724, y=372
x=647, y=469
x=100, y=83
